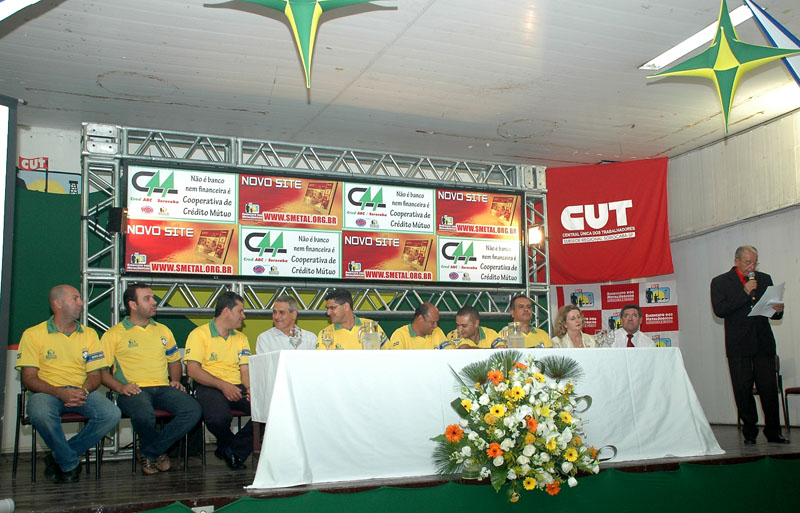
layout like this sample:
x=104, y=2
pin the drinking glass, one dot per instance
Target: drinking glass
x=327, y=338
x=295, y=337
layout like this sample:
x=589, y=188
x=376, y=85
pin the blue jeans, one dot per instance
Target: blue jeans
x=141, y=410
x=45, y=412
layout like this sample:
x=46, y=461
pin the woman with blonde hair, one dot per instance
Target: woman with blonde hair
x=568, y=332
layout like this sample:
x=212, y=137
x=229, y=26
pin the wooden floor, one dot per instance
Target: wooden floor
x=120, y=491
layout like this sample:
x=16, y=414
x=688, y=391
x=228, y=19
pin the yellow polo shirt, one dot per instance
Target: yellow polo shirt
x=534, y=338
x=63, y=360
x=485, y=338
x=404, y=337
x=219, y=356
x=141, y=354
x=348, y=339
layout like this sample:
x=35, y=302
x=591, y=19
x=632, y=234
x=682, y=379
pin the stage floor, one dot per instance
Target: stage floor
x=120, y=491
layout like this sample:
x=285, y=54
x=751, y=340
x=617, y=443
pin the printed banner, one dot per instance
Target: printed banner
x=388, y=256
x=290, y=253
x=601, y=305
x=479, y=260
x=180, y=247
x=158, y=193
x=611, y=227
x=381, y=207
x=478, y=214
x=290, y=202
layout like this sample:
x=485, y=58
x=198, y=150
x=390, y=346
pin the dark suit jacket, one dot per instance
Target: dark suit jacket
x=744, y=336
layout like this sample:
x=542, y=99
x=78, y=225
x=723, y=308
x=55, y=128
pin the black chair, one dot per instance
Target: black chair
x=789, y=391
x=24, y=420
x=779, y=380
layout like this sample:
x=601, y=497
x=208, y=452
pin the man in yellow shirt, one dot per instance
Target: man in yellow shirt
x=469, y=334
x=343, y=332
x=423, y=332
x=59, y=361
x=522, y=312
x=217, y=358
x=147, y=375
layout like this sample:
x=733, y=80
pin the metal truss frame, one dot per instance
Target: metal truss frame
x=107, y=150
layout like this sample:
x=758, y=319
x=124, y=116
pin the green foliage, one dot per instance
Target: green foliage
x=561, y=367
x=441, y=456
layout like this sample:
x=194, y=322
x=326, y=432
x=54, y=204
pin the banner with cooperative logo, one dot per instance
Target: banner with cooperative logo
x=601, y=306
x=189, y=221
x=285, y=252
x=608, y=222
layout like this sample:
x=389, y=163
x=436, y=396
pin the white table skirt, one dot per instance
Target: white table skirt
x=351, y=415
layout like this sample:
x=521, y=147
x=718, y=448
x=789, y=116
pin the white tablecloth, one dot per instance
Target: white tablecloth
x=351, y=415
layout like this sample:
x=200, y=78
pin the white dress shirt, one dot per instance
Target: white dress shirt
x=274, y=340
x=639, y=339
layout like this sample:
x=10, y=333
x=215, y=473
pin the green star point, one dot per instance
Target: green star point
x=726, y=61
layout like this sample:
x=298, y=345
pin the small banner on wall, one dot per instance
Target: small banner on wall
x=601, y=305
x=608, y=222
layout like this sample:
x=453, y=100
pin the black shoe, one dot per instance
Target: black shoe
x=73, y=476
x=231, y=460
x=749, y=441
x=51, y=470
x=778, y=440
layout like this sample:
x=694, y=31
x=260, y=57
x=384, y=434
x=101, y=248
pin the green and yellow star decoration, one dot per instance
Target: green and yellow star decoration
x=726, y=61
x=303, y=16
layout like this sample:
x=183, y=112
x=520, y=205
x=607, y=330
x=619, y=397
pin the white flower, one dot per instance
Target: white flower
x=463, y=423
x=501, y=387
x=566, y=467
x=509, y=421
x=572, y=482
x=522, y=459
x=484, y=399
x=544, y=456
x=466, y=451
x=499, y=433
x=498, y=461
x=511, y=474
x=484, y=472
x=472, y=436
x=565, y=437
x=507, y=444
x=524, y=469
x=529, y=450
x=547, y=478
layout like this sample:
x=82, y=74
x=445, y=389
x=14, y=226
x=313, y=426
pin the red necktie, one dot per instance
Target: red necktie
x=630, y=340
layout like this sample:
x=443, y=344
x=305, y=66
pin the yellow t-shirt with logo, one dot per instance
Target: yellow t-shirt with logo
x=220, y=357
x=62, y=360
x=404, y=337
x=141, y=354
x=348, y=339
x=534, y=338
x=485, y=338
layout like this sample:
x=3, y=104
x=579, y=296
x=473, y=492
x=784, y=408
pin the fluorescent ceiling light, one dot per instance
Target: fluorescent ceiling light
x=738, y=15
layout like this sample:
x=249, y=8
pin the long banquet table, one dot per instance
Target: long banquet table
x=352, y=415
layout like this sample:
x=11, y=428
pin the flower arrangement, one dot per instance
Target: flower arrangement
x=519, y=425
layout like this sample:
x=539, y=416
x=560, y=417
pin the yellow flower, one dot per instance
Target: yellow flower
x=551, y=445
x=490, y=419
x=538, y=376
x=498, y=410
x=568, y=388
x=571, y=454
x=566, y=417
x=577, y=441
x=545, y=411
x=467, y=404
x=478, y=385
x=516, y=393
x=529, y=483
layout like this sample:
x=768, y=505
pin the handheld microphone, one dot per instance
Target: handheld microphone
x=750, y=277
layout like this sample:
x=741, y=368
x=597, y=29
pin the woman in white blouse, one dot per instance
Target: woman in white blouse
x=569, y=326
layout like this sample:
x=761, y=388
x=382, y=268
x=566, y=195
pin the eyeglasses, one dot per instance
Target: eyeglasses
x=748, y=263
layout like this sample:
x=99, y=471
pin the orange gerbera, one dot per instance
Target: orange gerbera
x=593, y=452
x=532, y=423
x=520, y=365
x=494, y=450
x=495, y=376
x=553, y=488
x=453, y=433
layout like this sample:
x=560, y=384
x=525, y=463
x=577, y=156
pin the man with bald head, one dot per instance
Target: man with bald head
x=59, y=361
x=423, y=332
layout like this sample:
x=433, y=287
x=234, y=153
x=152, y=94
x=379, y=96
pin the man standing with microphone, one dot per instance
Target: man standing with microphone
x=749, y=343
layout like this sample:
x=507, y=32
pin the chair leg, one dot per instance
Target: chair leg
x=16, y=444
x=33, y=454
x=203, y=438
x=133, y=452
x=783, y=405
